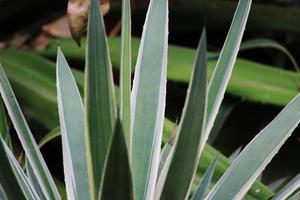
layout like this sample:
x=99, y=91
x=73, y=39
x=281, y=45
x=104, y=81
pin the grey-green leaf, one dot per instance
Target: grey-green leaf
x=100, y=108
x=49, y=136
x=166, y=156
x=118, y=182
x=125, y=71
x=205, y=181
x=295, y=196
x=224, y=66
x=3, y=123
x=190, y=140
x=289, y=189
x=71, y=117
x=33, y=181
x=148, y=96
x=13, y=180
x=26, y=138
x=267, y=43
x=237, y=180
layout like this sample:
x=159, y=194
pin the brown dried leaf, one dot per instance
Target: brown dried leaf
x=78, y=16
x=58, y=28
x=40, y=42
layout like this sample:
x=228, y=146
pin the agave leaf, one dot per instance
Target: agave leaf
x=117, y=182
x=151, y=70
x=263, y=43
x=289, y=189
x=100, y=108
x=71, y=117
x=2, y=193
x=42, y=96
x=4, y=128
x=33, y=181
x=49, y=136
x=224, y=112
x=206, y=180
x=235, y=154
x=164, y=166
x=295, y=196
x=190, y=141
x=3, y=122
x=125, y=70
x=278, y=184
x=224, y=66
x=267, y=43
x=26, y=138
x=12, y=178
x=165, y=154
x=257, y=154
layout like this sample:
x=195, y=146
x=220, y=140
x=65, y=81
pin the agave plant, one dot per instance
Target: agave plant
x=113, y=151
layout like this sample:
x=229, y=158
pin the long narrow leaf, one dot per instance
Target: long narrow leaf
x=166, y=156
x=3, y=122
x=267, y=43
x=257, y=154
x=190, y=141
x=118, y=181
x=2, y=193
x=33, y=181
x=148, y=96
x=289, y=189
x=100, y=108
x=125, y=71
x=71, y=117
x=4, y=128
x=43, y=94
x=250, y=80
x=49, y=136
x=224, y=66
x=295, y=196
x=12, y=178
x=31, y=149
x=206, y=180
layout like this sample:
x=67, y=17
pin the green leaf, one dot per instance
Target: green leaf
x=235, y=154
x=117, y=182
x=4, y=127
x=2, y=193
x=263, y=43
x=289, y=189
x=222, y=72
x=250, y=80
x=100, y=108
x=206, y=180
x=12, y=178
x=125, y=71
x=257, y=154
x=34, y=101
x=49, y=136
x=3, y=123
x=190, y=141
x=224, y=112
x=148, y=96
x=71, y=117
x=33, y=181
x=26, y=138
x=295, y=196
x=267, y=43
x=166, y=156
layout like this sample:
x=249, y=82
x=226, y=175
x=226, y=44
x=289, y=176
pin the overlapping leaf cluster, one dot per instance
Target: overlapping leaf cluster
x=113, y=151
